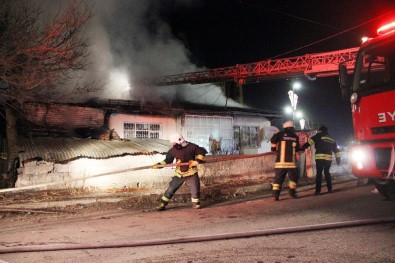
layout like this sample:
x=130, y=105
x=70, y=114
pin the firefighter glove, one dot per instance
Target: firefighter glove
x=193, y=163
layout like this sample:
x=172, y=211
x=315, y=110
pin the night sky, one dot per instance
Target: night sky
x=220, y=33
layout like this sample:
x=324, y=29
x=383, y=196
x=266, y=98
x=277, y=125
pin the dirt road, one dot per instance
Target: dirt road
x=117, y=225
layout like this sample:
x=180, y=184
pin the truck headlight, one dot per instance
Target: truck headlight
x=358, y=157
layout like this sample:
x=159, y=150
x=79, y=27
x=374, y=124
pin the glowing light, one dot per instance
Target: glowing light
x=299, y=114
x=364, y=39
x=302, y=123
x=296, y=85
x=386, y=29
x=358, y=155
x=293, y=98
x=119, y=82
x=359, y=165
x=288, y=110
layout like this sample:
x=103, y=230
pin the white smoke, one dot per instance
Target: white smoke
x=129, y=40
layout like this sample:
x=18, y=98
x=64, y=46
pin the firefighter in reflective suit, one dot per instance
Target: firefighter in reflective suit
x=324, y=146
x=183, y=152
x=286, y=143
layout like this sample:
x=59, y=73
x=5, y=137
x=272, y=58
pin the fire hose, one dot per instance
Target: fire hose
x=203, y=238
x=219, y=159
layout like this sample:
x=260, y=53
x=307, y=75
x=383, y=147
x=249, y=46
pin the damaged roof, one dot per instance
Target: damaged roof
x=66, y=149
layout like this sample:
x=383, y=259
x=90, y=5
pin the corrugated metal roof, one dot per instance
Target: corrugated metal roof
x=66, y=149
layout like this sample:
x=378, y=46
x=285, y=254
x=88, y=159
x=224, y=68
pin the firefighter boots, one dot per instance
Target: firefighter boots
x=196, y=206
x=161, y=207
x=276, y=195
x=292, y=192
x=195, y=203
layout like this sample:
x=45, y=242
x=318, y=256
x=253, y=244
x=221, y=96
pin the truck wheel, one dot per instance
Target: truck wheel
x=362, y=182
x=387, y=189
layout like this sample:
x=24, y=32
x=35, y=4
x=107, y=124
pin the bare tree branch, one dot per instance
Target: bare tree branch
x=34, y=59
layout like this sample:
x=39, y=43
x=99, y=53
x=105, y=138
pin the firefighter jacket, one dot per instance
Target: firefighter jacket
x=286, y=143
x=191, y=152
x=324, y=146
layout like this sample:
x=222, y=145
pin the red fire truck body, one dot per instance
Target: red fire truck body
x=372, y=154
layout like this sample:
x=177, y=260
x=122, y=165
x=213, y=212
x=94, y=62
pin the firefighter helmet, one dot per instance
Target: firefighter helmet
x=323, y=129
x=288, y=124
x=176, y=138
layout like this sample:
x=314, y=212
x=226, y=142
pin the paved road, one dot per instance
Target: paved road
x=367, y=243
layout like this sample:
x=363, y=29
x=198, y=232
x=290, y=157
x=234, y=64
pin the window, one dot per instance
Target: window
x=141, y=130
x=204, y=130
x=375, y=68
x=246, y=136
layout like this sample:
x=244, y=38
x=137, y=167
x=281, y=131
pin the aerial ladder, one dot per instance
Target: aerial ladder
x=312, y=66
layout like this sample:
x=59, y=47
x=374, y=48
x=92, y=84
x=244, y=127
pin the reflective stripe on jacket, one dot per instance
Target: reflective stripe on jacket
x=186, y=154
x=324, y=146
x=287, y=144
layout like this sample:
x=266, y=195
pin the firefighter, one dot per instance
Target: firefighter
x=286, y=143
x=324, y=146
x=183, y=152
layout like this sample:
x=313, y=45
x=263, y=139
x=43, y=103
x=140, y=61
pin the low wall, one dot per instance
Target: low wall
x=133, y=174
x=124, y=173
x=237, y=176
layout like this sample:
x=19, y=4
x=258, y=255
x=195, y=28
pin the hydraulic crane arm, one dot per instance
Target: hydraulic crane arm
x=309, y=65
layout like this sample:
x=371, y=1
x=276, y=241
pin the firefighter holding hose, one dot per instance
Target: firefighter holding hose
x=183, y=152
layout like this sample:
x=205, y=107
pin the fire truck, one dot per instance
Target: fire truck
x=372, y=97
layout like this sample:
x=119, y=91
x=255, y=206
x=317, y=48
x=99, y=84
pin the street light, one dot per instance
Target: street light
x=293, y=97
x=296, y=85
x=288, y=110
x=302, y=121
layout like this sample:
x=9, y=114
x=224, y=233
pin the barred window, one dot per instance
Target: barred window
x=246, y=136
x=141, y=130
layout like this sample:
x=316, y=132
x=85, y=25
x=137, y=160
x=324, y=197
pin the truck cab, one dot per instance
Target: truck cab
x=372, y=97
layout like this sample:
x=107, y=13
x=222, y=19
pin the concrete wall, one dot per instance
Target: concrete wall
x=232, y=176
x=215, y=175
x=219, y=175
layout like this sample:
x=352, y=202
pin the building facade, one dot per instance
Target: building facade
x=51, y=148
x=220, y=133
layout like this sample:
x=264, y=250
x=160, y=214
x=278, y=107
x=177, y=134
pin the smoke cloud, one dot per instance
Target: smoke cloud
x=129, y=40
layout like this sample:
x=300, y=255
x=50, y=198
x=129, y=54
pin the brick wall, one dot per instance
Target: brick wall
x=65, y=116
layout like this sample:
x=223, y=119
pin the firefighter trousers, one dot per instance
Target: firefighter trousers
x=176, y=182
x=323, y=165
x=279, y=178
